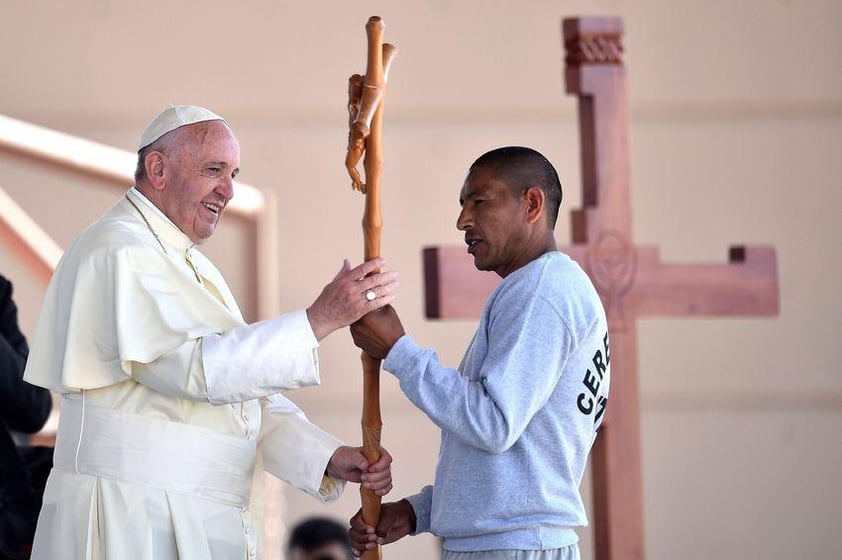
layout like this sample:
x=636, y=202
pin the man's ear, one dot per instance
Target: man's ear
x=154, y=164
x=534, y=198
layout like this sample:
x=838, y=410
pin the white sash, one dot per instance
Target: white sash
x=153, y=452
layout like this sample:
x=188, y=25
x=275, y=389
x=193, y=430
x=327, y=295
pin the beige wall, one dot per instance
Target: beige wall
x=736, y=130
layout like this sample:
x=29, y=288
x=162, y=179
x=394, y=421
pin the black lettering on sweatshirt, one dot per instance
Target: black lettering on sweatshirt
x=592, y=382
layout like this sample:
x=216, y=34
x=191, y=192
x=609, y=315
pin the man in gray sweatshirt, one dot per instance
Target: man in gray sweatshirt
x=520, y=413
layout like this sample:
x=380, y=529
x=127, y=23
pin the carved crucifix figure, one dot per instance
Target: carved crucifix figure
x=631, y=279
x=365, y=107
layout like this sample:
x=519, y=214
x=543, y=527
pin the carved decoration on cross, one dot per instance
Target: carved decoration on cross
x=631, y=279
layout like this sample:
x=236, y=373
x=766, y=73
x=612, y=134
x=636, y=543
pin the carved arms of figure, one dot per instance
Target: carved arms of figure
x=364, y=96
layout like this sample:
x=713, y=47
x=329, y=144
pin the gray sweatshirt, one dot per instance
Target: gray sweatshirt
x=518, y=417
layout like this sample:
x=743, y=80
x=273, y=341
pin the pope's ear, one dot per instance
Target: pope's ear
x=154, y=164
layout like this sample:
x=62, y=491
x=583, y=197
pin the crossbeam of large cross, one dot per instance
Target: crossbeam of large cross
x=631, y=280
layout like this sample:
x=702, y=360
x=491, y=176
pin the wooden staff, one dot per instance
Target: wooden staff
x=365, y=107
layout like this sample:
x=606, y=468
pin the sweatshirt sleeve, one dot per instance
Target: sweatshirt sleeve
x=489, y=408
x=422, y=505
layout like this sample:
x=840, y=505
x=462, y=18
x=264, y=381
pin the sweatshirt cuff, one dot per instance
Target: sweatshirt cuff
x=401, y=352
x=422, y=505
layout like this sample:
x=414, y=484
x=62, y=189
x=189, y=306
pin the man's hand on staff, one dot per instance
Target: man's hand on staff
x=397, y=520
x=378, y=331
x=350, y=295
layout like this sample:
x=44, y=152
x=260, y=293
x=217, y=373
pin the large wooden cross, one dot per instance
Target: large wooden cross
x=631, y=280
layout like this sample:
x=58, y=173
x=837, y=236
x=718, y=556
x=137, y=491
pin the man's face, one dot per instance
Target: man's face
x=200, y=178
x=331, y=551
x=494, y=221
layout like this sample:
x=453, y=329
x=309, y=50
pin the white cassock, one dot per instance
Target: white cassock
x=169, y=400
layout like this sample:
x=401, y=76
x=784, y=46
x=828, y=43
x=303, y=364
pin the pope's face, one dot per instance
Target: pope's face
x=200, y=178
